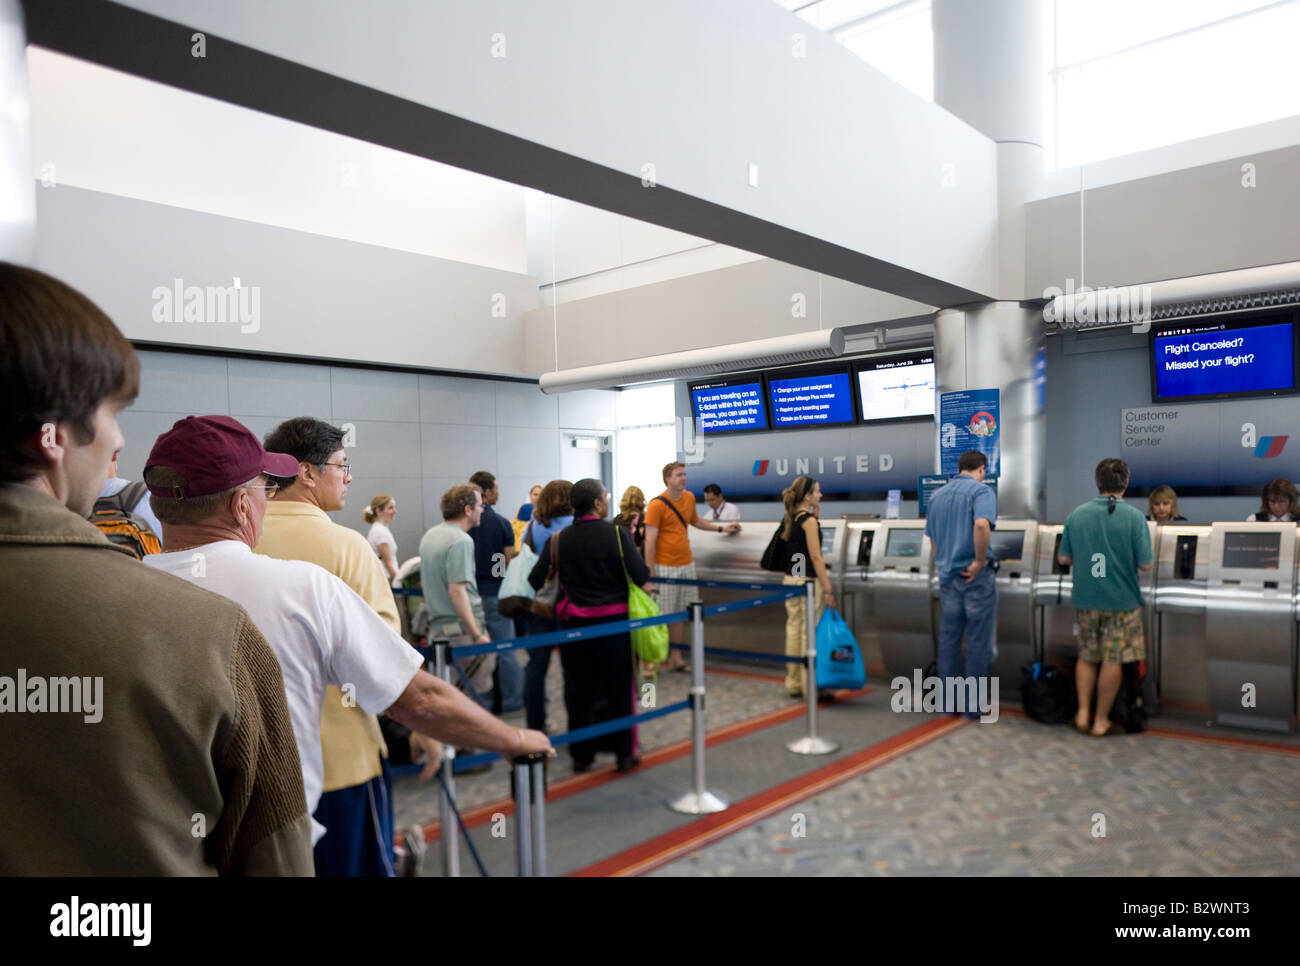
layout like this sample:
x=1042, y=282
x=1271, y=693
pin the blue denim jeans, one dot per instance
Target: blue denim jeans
x=510, y=670
x=970, y=609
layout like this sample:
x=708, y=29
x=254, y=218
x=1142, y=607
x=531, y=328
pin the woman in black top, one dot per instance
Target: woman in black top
x=803, y=501
x=598, y=683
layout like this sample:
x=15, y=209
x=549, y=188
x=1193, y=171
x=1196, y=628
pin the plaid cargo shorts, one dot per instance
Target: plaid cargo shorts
x=1109, y=635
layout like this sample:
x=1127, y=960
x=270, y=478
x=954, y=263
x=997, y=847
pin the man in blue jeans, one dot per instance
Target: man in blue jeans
x=960, y=520
x=494, y=545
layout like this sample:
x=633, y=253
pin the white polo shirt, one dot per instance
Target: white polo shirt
x=726, y=513
x=321, y=631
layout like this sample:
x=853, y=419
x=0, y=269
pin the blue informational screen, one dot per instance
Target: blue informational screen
x=1214, y=359
x=727, y=406
x=823, y=399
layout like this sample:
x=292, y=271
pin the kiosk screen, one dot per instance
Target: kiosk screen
x=1007, y=544
x=904, y=543
x=828, y=542
x=1247, y=550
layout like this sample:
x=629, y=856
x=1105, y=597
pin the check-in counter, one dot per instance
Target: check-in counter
x=899, y=584
x=1251, y=624
x=1055, y=640
x=1179, y=653
x=852, y=586
x=1014, y=544
x=736, y=556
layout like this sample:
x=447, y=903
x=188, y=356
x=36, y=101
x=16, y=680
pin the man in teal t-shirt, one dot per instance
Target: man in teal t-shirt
x=1111, y=542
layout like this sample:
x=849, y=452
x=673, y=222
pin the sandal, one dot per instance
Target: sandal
x=1083, y=729
x=1111, y=728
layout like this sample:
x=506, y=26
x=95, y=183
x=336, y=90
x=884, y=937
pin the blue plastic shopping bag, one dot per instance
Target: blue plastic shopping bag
x=839, y=662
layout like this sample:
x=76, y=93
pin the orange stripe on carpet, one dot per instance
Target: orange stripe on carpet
x=483, y=814
x=709, y=828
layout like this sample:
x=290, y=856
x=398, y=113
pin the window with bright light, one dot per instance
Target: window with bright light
x=1126, y=77
x=647, y=439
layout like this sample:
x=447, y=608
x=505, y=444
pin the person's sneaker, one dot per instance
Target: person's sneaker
x=628, y=763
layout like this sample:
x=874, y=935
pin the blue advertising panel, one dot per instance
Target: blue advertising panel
x=802, y=400
x=1196, y=360
x=729, y=405
x=969, y=420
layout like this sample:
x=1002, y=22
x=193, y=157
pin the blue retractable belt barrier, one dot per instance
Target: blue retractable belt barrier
x=571, y=635
x=735, y=584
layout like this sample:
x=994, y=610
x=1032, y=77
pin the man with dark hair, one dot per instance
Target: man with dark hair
x=218, y=790
x=1112, y=542
x=720, y=511
x=494, y=545
x=960, y=522
x=447, y=575
x=357, y=802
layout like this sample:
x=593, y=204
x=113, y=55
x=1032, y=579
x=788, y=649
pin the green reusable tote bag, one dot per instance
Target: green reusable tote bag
x=650, y=644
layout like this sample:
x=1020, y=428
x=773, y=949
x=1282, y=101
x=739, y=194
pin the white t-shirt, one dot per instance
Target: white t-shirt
x=380, y=535
x=727, y=513
x=142, y=509
x=1284, y=518
x=320, y=629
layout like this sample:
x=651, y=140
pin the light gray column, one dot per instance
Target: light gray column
x=988, y=72
x=17, y=188
x=995, y=346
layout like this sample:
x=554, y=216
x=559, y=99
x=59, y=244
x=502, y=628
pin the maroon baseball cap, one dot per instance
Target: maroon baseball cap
x=214, y=453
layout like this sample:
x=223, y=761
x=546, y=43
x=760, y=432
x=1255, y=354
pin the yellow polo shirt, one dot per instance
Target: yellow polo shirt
x=351, y=742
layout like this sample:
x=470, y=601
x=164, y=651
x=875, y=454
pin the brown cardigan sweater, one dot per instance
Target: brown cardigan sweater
x=192, y=768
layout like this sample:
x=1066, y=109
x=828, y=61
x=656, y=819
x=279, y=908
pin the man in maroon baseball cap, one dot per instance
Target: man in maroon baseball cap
x=208, y=475
x=211, y=454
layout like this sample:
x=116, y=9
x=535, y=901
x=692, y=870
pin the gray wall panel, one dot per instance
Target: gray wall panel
x=387, y=450
x=519, y=448
x=447, y=399
x=167, y=377
x=266, y=388
x=519, y=404
x=375, y=394
x=457, y=451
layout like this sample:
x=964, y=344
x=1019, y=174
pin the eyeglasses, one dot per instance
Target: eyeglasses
x=271, y=488
x=347, y=467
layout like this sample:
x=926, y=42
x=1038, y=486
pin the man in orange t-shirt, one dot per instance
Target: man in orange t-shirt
x=668, y=550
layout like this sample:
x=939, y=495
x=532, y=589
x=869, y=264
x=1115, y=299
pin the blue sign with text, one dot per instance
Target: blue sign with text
x=970, y=419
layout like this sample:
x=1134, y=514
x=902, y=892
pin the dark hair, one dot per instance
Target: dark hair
x=1279, y=488
x=1112, y=475
x=792, y=496
x=714, y=489
x=459, y=500
x=554, y=502
x=483, y=480
x=972, y=459
x=584, y=495
x=307, y=440
x=61, y=357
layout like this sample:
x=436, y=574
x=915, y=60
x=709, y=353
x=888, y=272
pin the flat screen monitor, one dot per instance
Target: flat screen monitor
x=808, y=398
x=897, y=387
x=828, y=542
x=1007, y=544
x=1252, y=355
x=1249, y=550
x=904, y=543
x=730, y=405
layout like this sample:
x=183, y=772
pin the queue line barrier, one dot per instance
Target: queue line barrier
x=529, y=792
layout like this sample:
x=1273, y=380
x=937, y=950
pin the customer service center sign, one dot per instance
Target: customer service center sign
x=1238, y=443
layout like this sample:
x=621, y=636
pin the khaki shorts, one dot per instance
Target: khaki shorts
x=1109, y=635
x=674, y=597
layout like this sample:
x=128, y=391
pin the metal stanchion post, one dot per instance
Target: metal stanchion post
x=698, y=801
x=811, y=744
x=523, y=817
x=450, y=831
x=539, y=816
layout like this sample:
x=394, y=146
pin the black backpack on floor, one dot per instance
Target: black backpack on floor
x=1047, y=693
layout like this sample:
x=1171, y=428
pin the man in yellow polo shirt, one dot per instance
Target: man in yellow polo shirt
x=357, y=804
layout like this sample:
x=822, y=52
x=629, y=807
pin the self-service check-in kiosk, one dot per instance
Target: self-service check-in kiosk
x=898, y=582
x=1251, y=624
x=852, y=585
x=1014, y=546
x=1179, y=649
x=1054, y=636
